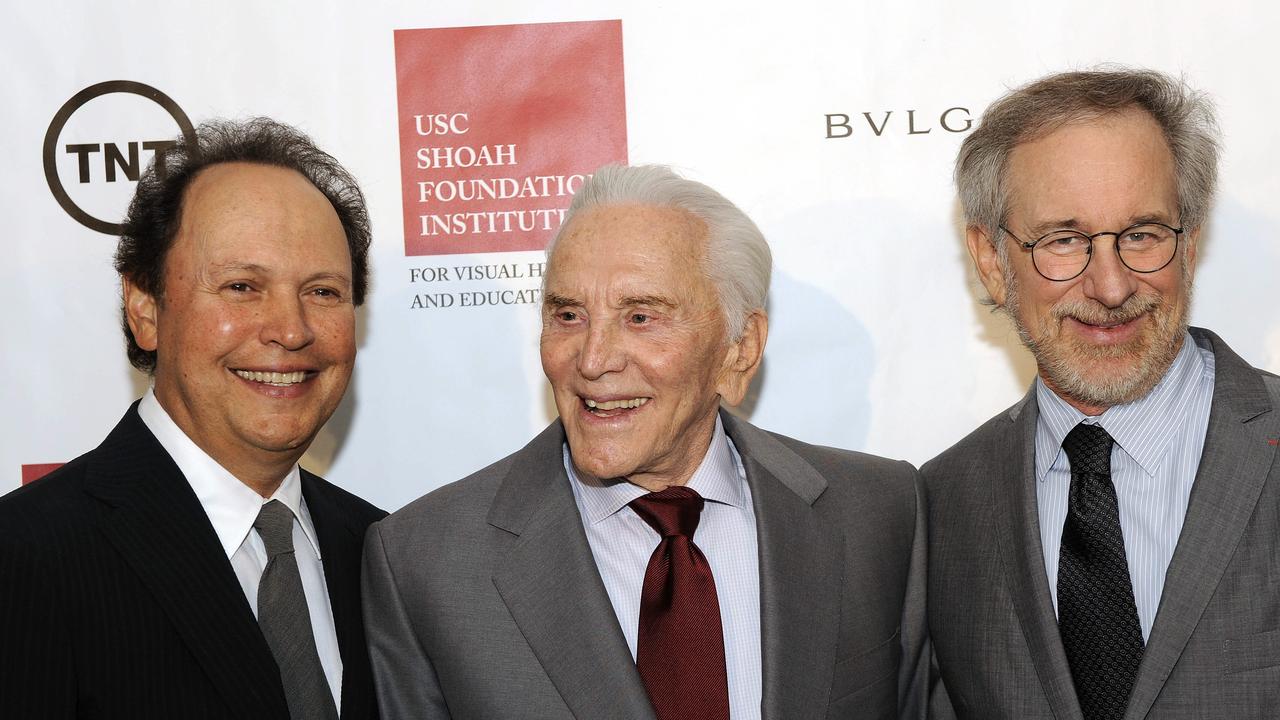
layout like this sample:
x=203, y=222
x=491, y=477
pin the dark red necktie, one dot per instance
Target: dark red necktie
x=680, y=653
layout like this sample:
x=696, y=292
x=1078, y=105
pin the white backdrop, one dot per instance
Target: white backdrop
x=877, y=340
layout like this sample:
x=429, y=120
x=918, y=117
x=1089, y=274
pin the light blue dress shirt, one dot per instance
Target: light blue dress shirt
x=1158, y=443
x=621, y=543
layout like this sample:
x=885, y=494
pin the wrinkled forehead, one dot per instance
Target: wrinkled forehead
x=1091, y=164
x=1132, y=121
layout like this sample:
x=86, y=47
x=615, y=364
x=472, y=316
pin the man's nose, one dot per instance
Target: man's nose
x=1107, y=279
x=285, y=323
x=601, y=352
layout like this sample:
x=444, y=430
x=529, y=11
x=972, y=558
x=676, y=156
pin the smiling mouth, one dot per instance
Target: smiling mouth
x=277, y=379
x=610, y=407
x=1105, y=325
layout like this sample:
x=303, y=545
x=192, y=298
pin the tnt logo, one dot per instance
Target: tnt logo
x=113, y=159
x=101, y=140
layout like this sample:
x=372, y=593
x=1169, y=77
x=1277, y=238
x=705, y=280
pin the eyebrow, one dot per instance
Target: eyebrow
x=233, y=267
x=649, y=300
x=1150, y=218
x=330, y=276
x=1041, y=229
x=253, y=268
x=555, y=300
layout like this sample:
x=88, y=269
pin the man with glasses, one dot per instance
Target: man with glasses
x=1106, y=547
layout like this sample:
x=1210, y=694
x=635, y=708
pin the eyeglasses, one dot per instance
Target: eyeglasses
x=1064, y=254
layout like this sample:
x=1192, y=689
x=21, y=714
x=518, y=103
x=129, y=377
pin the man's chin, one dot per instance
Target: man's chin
x=1102, y=386
x=598, y=462
x=287, y=435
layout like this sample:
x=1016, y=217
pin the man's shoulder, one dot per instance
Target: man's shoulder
x=976, y=449
x=849, y=475
x=843, y=464
x=353, y=507
x=457, y=505
x=50, y=510
x=1229, y=363
x=1272, y=381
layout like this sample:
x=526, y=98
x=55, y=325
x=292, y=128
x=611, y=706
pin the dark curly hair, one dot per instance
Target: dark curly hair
x=155, y=213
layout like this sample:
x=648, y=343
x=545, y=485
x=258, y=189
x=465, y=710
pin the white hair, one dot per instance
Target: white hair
x=738, y=261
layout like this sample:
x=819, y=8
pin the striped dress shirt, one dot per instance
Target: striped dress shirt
x=1158, y=443
x=621, y=544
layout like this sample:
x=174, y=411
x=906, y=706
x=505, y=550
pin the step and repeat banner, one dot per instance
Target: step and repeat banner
x=471, y=124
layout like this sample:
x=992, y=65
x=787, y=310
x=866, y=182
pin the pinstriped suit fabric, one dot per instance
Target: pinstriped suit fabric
x=117, y=601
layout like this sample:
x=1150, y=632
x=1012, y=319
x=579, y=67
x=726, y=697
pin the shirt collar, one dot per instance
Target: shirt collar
x=1143, y=428
x=231, y=505
x=717, y=479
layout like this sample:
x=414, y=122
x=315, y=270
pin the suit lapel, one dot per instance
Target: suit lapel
x=1013, y=494
x=340, y=556
x=549, y=582
x=159, y=528
x=801, y=572
x=1238, y=454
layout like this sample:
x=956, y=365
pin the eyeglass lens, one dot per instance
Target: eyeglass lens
x=1063, y=254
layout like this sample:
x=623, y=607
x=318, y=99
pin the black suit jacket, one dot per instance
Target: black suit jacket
x=117, y=601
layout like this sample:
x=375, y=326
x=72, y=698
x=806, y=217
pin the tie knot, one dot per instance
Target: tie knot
x=1088, y=448
x=275, y=526
x=673, y=511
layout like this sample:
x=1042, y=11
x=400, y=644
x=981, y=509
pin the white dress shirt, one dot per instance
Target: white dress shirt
x=1158, y=442
x=622, y=542
x=232, y=508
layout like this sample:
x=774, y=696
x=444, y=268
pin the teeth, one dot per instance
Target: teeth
x=272, y=378
x=615, y=404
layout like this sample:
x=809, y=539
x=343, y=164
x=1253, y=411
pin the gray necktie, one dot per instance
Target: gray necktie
x=286, y=622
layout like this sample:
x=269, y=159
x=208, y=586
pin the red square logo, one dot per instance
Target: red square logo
x=31, y=473
x=499, y=125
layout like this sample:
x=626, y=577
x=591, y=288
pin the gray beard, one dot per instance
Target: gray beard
x=1072, y=370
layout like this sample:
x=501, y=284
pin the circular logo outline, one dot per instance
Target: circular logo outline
x=69, y=108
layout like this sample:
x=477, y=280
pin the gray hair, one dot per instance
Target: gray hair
x=738, y=260
x=1037, y=109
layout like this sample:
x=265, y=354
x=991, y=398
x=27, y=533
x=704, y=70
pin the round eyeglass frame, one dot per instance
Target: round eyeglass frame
x=1031, y=246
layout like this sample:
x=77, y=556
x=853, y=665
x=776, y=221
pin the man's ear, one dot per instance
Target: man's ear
x=743, y=359
x=986, y=260
x=140, y=311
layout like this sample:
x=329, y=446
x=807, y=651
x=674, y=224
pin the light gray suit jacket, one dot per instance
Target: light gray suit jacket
x=482, y=599
x=1214, y=651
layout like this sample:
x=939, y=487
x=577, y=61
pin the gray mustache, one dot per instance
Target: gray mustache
x=1093, y=313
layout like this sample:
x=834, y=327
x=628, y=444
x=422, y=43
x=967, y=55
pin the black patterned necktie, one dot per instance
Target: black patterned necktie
x=286, y=621
x=1097, y=616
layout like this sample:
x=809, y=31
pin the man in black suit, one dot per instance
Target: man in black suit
x=187, y=567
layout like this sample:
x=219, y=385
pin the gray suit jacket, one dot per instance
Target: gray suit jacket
x=1214, y=651
x=482, y=599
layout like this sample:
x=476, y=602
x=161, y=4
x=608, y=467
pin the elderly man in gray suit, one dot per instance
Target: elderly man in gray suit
x=648, y=555
x=1106, y=548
